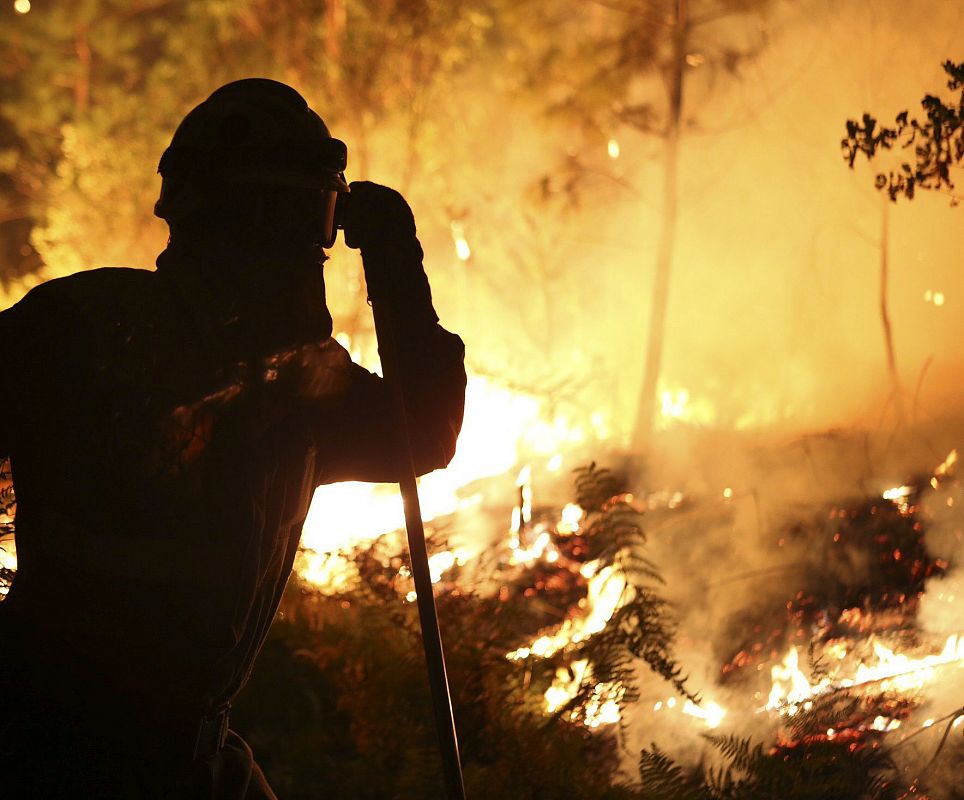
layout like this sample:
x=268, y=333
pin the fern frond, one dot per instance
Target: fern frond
x=664, y=779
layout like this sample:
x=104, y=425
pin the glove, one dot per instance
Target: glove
x=376, y=217
x=379, y=222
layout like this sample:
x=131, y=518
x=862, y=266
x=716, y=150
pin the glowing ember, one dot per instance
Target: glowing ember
x=898, y=496
x=462, y=249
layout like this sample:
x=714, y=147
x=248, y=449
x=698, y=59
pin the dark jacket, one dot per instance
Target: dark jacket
x=163, y=465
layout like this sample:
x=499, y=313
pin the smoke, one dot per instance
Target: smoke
x=780, y=406
x=774, y=308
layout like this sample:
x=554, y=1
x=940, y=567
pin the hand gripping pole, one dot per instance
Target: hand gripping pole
x=431, y=637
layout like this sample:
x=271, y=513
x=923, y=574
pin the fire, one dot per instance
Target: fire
x=521, y=517
x=8, y=559
x=603, y=706
x=675, y=404
x=500, y=427
x=947, y=465
x=903, y=674
x=790, y=686
x=710, y=712
x=791, y=689
x=443, y=561
x=569, y=519
x=606, y=592
x=678, y=406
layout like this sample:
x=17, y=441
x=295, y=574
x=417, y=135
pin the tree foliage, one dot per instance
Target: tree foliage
x=936, y=141
x=92, y=92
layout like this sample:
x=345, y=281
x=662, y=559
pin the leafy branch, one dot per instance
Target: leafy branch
x=937, y=142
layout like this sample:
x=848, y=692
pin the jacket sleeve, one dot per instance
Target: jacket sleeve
x=358, y=438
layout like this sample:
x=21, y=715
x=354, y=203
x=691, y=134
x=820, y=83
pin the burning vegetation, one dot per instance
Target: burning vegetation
x=559, y=636
x=839, y=684
x=760, y=612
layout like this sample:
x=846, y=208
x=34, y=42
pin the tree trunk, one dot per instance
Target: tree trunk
x=895, y=388
x=667, y=235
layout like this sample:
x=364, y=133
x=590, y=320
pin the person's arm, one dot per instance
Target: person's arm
x=357, y=439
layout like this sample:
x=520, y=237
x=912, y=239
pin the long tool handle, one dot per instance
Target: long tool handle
x=431, y=636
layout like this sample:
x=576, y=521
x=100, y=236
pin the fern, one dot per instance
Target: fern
x=741, y=754
x=811, y=770
x=643, y=628
x=662, y=778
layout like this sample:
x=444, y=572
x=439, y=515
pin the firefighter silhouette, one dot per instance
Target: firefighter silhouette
x=166, y=430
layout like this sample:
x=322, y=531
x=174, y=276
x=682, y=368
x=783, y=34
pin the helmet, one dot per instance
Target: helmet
x=254, y=131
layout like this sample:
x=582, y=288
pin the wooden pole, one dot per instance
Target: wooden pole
x=431, y=636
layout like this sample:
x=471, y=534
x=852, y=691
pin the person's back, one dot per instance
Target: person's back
x=166, y=430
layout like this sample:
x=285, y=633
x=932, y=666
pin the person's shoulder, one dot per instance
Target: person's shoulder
x=100, y=283
x=88, y=293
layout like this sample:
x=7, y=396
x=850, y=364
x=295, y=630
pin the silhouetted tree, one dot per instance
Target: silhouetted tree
x=629, y=66
x=938, y=146
x=937, y=141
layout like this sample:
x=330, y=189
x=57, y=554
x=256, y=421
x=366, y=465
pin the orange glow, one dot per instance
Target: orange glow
x=500, y=425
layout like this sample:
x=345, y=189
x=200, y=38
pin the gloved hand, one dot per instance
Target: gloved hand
x=379, y=222
x=376, y=217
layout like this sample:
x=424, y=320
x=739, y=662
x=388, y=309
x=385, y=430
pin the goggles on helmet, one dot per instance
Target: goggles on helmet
x=312, y=165
x=320, y=164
